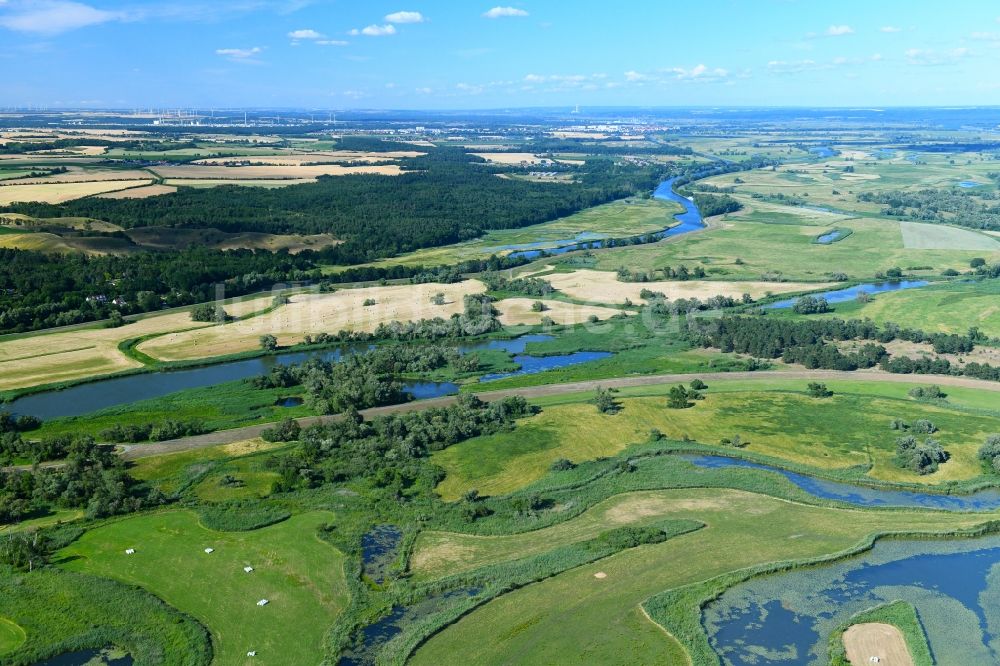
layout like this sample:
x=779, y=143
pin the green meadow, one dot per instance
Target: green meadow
x=301, y=577
x=775, y=418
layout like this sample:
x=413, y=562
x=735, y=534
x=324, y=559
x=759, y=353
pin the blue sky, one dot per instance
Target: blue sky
x=437, y=54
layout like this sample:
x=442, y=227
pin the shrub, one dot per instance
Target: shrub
x=287, y=430
x=990, y=448
x=698, y=385
x=817, y=390
x=268, y=342
x=561, y=465
x=605, y=402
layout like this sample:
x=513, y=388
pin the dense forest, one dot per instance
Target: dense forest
x=40, y=290
x=812, y=343
x=443, y=197
x=975, y=209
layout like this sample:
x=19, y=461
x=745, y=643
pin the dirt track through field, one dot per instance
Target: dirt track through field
x=239, y=434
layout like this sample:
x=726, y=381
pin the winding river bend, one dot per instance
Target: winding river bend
x=690, y=220
x=984, y=500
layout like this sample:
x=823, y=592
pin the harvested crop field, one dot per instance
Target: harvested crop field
x=518, y=311
x=139, y=192
x=309, y=314
x=604, y=287
x=876, y=639
x=75, y=354
x=60, y=192
x=512, y=158
x=270, y=172
x=78, y=175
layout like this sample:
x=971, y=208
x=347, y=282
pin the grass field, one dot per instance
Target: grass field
x=775, y=417
x=308, y=314
x=917, y=236
x=947, y=308
x=11, y=636
x=302, y=577
x=576, y=617
x=616, y=219
x=875, y=245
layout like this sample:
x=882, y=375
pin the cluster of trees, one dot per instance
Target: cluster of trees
x=441, y=198
x=968, y=208
x=682, y=272
x=155, y=432
x=922, y=457
x=479, y=317
x=710, y=205
x=92, y=478
x=808, y=342
x=680, y=397
x=811, y=305
x=362, y=380
x=389, y=452
x=39, y=290
x=525, y=286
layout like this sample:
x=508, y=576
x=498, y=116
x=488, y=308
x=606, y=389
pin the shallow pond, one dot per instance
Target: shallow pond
x=969, y=183
x=374, y=636
x=830, y=237
x=105, y=657
x=851, y=293
x=378, y=550
x=534, y=364
x=985, y=500
x=787, y=618
x=822, y=151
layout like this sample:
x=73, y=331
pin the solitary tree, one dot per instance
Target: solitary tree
x=268, y=342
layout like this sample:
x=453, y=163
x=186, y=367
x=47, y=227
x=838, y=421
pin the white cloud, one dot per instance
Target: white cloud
x=890, y=28
x=305, y=34
x=699, y=72
x=633, y=75
x=930, y=57
x=424, y=91
x=51, y=17
x=375, y=30
x=838, y=30
x=876, y=57
x=239, y=54
x=405, y=17
x=503, y=12
x=332, y=42
x=534, y=78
